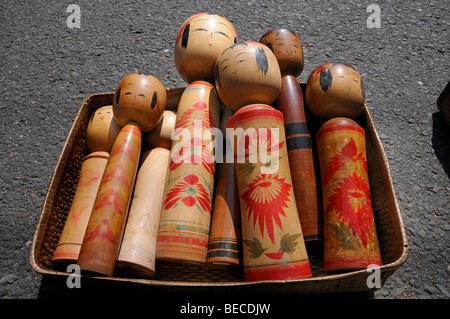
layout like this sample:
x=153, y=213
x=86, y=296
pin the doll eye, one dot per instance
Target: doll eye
x=128, y=93
x=141, y=95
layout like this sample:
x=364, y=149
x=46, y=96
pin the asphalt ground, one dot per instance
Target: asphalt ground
x=47, y=69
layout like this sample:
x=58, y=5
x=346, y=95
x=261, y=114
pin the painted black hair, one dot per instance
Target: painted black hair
x=118, y=96
x=154, y=100
x=185, y=38
x=261, y=60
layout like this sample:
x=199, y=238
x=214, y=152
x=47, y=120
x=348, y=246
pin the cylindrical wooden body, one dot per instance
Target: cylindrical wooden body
x=104, y=232
x=301, y=158
x=335, y=90
x=186, y=215
x=138, y=249
x=224, y=249
x=69, y=243
x=161, y=135
x=225, y=239
x=350, y=239
x=274, y=246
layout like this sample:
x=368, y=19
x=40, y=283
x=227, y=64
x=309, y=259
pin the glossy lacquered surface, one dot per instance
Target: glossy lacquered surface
x=200, y=41
x=273, y=243
x=247, y=73
x=350, y=237
x=335, y=90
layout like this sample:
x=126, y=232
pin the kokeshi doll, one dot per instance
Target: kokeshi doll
x=101, y=132
x=287, y=47
x=138, y=249
x=274, y=247
x=161, y=135
x=200, y=41
x=138, y=106
x=335, y=90
x=350, y=238
x=186, y=214
x=225, y=240
x=69, y=244
x=247, y=73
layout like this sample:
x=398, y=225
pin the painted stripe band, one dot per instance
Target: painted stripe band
x=223, y=245
x=299, y=142
x=296, y=128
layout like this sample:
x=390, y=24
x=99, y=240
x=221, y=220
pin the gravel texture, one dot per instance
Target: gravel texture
x=48, y=69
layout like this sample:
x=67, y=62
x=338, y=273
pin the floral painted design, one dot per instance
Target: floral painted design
x=348, y=153
x=190, y=193
x=103, y=232
x=194, y=152
x=352, y=203
x=259, y=142
x=198, y=113
x=266, y=198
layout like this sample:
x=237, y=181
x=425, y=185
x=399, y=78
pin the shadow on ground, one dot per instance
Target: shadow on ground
x=441, y=141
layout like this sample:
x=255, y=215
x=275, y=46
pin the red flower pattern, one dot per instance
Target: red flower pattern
x=192, y=152
x=190, y=193
x=265, y=199
x=348, y=153
x=351, y=201
x=198, y=112
x=249, y=145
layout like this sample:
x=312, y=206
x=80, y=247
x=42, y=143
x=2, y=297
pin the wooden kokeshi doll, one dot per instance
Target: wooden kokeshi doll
x=350, y=238
x=161, y=135
x=101, y=132
x=138, y=249
x=138, y=106
x=225, y=240
x=335, y=90
x=287, y=47
x=186, y=215
x=274, y=247
x=247, y=73
x=200, y=41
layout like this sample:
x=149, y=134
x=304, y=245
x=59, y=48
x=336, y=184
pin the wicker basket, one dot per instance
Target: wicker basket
x=391, y=233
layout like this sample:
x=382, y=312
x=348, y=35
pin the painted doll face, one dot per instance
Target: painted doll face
x=102, y=130
x=200, y=41
x=335, y=90
x=287, y=47
x=247, y=73
x=140, y=99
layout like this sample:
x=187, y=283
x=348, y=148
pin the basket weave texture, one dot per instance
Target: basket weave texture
x=391, y=233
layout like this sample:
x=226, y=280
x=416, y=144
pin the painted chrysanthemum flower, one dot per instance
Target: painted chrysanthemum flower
x=265, y=199
x=351, y=201
x=191, y=193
